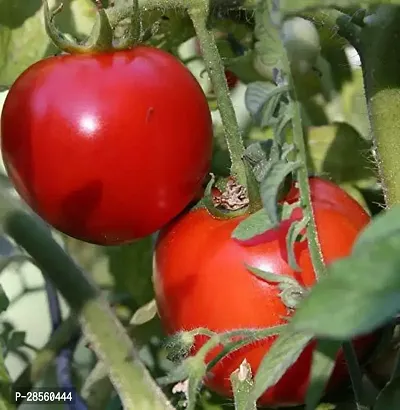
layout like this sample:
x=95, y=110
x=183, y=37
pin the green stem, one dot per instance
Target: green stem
x=45, y=357
x=302, y=175
x=102, y=329
x=199, y=15
x=356, y=376
x=380, y=52
x=337, y=22
x=183, y=4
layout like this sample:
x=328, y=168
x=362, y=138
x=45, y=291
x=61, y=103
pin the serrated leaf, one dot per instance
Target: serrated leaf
x=389, y=397
x=144, y=314
x=269, y=48
x=323, y=363
x=367, y=281
x=242, y=383
x=283, y=354
x=256, y=96
x=273, y=277
x=384, y=225
x=131, y=267
x=271, y=185
x=294, y=231
x=265, y=102
x=254, y=225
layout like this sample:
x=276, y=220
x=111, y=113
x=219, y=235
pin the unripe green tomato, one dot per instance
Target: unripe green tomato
x=301, y=40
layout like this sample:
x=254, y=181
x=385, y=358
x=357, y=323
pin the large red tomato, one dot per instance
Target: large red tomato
x=201, y=280
x=109, y=147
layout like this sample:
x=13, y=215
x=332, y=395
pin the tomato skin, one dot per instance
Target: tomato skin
x=333, y=197
x=200, y=280
x=97, y=144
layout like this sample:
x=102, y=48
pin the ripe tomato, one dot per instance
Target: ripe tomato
x=333, y=197
x=201, y=280
x=110, y=147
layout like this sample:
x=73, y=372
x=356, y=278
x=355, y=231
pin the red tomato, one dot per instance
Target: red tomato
x=201, y=280
x=110, y=147
x=333, y=197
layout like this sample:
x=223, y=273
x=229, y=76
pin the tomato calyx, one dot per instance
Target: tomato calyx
x=101, y=38
x=225, y=198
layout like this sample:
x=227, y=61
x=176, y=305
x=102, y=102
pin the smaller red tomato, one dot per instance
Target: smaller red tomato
x=201, y=280
x=332, y=196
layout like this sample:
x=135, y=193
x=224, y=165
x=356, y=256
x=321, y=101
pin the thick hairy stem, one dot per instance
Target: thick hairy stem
x=183, y=4
x=101, y=328
x=380, y=51
x=199, y=15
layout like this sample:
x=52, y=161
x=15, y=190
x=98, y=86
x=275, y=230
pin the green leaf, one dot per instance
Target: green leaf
x=242, y=383
x=323, y=363
x=254, y=225
x=340, y=152
x=363, y=290
x=262, y=98
x=283, y=354
x=384, y=225
x=23, y=39
x=269, y=48
x=131, y=267
x=144, y=314
x=389, y=397
x=271, y=185
x=273, y=277
x=173, y=28
x=243, y=68
x=294, y=231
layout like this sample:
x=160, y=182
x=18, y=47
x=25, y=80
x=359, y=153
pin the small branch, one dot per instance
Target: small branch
x=98, y=388
x=337, y=22
x=302, y=174
x=199, y=15
x=102, y=329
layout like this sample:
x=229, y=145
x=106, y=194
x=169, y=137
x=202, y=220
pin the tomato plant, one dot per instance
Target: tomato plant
x=91, y=142
x=111, y=141
x=201, y=280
